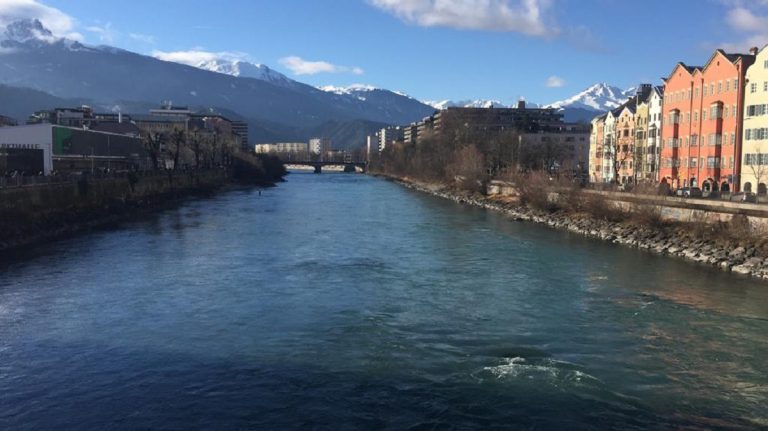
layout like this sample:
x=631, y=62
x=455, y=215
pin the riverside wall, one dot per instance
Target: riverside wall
x=36, y=213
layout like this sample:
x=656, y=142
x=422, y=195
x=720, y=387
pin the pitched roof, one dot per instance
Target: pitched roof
x=689, y=69
x=733, y=58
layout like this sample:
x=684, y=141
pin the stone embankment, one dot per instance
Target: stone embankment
x=740, y=260
x=37, y=214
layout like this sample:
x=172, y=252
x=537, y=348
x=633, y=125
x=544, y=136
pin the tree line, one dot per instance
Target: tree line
x=469, y=157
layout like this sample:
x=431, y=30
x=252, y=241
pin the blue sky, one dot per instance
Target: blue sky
x=543, y=50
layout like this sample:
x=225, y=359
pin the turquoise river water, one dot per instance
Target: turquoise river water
x=342, y=301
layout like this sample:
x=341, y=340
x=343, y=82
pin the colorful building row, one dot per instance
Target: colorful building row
x=624, y=142
x=706, y=127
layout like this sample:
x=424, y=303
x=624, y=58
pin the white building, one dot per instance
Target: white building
x=371, y=145
x=76, y=149
x=655, y=114
x=388, y=136
x=609, y=146
x=34, y=137
x=319, y=145
x=282, y=147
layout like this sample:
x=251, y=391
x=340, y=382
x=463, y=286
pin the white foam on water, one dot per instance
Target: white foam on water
x=546, y=370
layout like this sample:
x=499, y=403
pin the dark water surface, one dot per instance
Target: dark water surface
x=346, y=302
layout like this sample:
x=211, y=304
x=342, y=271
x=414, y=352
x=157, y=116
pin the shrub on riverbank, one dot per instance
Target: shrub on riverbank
x=257, y=169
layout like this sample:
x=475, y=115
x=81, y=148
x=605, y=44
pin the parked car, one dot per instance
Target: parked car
x=744, y=197
x=693, y=192
x=688, y=192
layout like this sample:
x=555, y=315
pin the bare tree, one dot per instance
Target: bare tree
x=178, y=141
x=759, y=168
x=153, y=144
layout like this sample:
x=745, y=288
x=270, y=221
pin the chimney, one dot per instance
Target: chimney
x=753, y=50
x=521, y=104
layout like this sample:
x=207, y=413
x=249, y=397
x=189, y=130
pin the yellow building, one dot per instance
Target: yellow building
x=596, y=140
x=754, y=150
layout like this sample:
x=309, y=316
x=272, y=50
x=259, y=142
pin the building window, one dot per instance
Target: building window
x=714, y=112
x=693, y=162
x=696, y=93
x=765, y=85
x=727, y=85
x=719, y=87
x=733, y=139
x=753, y=87
x=693, y=140
x=696, y=117
x=735, y=83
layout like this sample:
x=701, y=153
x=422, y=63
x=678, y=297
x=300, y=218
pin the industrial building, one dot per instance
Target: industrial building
x=60, y=148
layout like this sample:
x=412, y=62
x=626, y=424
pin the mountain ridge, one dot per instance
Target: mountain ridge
x=105, y=76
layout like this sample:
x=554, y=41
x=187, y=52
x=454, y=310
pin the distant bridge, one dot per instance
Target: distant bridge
x=318, y=166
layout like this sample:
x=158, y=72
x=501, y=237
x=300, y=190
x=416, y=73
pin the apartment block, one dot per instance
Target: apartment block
x=702, y=129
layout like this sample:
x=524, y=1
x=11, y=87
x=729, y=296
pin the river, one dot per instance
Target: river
x=342, y=301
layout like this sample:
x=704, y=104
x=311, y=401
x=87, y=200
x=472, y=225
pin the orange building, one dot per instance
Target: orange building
x=701, y=131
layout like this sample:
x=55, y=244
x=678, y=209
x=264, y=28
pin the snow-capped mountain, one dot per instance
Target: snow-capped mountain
x=361, y=91
x=480, y=103
x=358, y=91
x=244, y=69
x=599, y=97
x=26, y=33
x=276, y=107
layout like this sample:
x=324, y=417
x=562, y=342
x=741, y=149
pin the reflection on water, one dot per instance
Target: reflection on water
x=343, y=301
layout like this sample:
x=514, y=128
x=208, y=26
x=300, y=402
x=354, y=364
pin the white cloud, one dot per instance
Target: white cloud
x=197, y=55
x=751, y=20
x=529, y=17
x=60, y=24
x=555, y=82
x=299, y=66
x=105, y=33
x=145, y=38
x=742, y=19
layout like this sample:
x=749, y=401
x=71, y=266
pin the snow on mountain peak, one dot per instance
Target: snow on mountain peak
x=26, y=30
x=243, y=69
x=26, y=33
x=479, y=103
x=348, y=90
x=598, y=97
